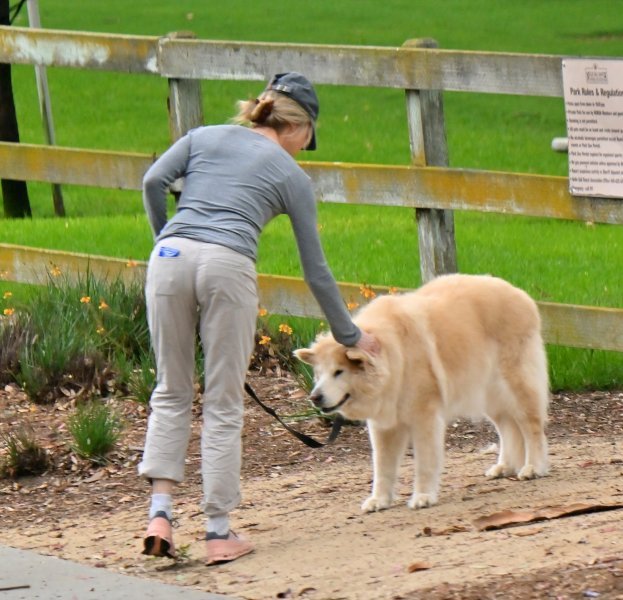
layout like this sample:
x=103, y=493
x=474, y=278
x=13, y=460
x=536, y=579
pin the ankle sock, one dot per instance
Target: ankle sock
x=211, y=535
x=218, y=525
x=161, y=503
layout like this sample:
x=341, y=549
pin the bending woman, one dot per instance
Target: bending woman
x=202, y=271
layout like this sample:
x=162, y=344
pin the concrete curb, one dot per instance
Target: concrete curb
x=26, y=575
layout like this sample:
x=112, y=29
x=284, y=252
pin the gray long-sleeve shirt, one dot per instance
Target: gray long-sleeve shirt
x=236, y=181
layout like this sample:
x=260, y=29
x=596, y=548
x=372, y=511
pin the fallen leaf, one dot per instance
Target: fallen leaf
x=95, y=477
x=451, y=529
x=418, y=566
x=428, y=531
x=527, y=532
x=307, y=590
x=503, y=518
x=506, y=518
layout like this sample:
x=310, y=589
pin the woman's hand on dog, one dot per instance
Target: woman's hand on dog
x=368, y=343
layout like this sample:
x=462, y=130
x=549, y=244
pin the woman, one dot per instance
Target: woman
x=202, y=270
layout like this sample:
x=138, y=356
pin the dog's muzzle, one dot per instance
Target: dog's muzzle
x=319, y=400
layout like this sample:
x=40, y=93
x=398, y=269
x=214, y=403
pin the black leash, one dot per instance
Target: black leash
x=309, y=441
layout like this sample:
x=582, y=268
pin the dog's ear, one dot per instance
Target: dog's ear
x=361, y=358
x=306, y=355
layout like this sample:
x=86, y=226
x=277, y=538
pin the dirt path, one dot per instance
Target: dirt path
x=302, y=512
x=312, y=542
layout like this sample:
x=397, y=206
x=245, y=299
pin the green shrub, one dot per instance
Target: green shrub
x=143, y=380
x=13, y=335
x=75, y=338
x=57, y=358
x=24, y=456
x=95, y=428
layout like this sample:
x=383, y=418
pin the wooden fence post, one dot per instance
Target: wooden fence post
x=427, y=137
x=185, y=102
x=185, y=106
x=45, y=106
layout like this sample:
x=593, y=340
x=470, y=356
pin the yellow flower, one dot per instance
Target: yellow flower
x=8, y=311
x=367, y=292
x=55, y=271
x=103, y=305
x=262, y=312
x=100, y=330
x=285, y=329
x=85, y=299
x=7, y=295
x=352, y=305
x=264, y=340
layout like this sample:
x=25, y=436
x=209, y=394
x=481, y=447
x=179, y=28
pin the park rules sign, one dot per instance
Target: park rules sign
x=593, y=92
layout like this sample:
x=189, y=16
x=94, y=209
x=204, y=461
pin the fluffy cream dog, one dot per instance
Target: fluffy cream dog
x=460, y=346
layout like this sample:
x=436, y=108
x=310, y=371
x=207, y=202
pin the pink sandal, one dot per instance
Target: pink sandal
x=159, y=537
x=221, y=550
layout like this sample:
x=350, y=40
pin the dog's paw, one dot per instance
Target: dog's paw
x=421, y=500
x=526, y=472
x=496, y=471
x=375, y=503
x=531, y=472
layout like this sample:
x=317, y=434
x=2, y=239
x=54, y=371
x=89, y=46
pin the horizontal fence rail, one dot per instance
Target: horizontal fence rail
x=119, y=170
x=400, y=68
x=417, y=187
x=366, y=66
x=459, y=189
x=31, y=162
x=563, y=324
x=105, y=52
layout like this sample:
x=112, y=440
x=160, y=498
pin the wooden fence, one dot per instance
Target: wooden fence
x=429, y=185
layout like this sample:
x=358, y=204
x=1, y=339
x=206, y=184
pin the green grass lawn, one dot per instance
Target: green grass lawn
x=553, y=260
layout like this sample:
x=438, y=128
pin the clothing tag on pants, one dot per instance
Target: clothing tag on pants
x=167, y=252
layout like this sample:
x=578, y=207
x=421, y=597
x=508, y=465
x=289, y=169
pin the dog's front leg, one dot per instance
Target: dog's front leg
x=428, y=437
x=388, y=448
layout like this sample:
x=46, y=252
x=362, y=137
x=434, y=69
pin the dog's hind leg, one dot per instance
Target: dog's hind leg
x=388, y=449
x=531, y=390
x=500, y=403
x=532, y=427
x=511, y=455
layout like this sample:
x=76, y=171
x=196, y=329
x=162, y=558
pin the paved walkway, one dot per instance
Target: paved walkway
x=26, y=575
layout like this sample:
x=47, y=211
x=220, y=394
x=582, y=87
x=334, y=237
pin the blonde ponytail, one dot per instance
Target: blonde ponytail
x=273, y=110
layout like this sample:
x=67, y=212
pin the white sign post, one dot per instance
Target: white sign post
x=593, y=92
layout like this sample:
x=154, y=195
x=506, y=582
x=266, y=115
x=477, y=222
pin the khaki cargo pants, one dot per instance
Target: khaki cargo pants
x=190, y=283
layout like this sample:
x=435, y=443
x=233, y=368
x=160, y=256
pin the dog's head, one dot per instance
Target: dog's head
x=345, y=378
